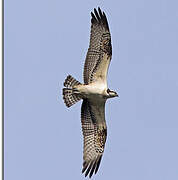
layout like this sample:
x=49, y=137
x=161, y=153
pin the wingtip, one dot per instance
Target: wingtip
x=98, y=164
x=99, y=17
x=89, y=168
x=93, y=169
x=100, y=12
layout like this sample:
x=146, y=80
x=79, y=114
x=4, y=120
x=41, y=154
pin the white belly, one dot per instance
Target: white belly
x=93, y=90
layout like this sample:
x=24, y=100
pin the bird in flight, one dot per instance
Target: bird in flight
x=94, y=92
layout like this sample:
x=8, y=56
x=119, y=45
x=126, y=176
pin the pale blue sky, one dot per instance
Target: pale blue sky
x=45, y=40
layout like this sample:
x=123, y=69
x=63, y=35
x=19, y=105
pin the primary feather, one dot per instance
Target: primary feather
x=100, y=46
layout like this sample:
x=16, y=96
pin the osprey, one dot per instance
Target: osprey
x=94, y=92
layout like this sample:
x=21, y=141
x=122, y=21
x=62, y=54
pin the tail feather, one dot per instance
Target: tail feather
x=71, y=82
x=69, y=96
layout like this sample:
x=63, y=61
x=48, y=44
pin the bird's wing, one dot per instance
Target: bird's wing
x=100, y=49
x=94, y=134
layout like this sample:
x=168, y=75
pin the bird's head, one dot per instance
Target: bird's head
x=111, y=94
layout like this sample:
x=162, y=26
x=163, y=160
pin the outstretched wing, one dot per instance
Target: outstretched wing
x=94, y=134
x=100, y=49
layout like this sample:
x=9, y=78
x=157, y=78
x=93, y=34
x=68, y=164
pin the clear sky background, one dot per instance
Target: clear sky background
x=45, y=40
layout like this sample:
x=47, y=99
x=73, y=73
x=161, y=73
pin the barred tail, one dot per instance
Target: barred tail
x=69, y=96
